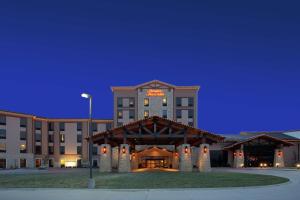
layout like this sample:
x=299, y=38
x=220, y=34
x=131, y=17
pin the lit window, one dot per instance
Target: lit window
x=131, y=102
x=146, y=113
x=2, y=148
x=62, y=138
x=165, y=101
x=120, y=114
x=23, y=148
x=146, y=102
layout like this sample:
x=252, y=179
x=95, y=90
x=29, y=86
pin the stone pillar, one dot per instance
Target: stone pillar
x=238, y=160
x=204, y=158
x=105, y=158
x=134, y=161
x=278, y=158
x=185, y=162
x=124, y=158
x=175, y=160
x=115, y=157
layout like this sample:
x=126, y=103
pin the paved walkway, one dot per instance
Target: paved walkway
x=286, y=191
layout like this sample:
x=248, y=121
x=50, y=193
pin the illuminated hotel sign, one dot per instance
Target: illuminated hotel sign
x=155, y=93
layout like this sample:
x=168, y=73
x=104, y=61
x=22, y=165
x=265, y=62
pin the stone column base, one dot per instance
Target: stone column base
x=124, y=158
x=204, y=158
x=278, y=158
x=185, y=162
x=238, y=161
x=105, y=158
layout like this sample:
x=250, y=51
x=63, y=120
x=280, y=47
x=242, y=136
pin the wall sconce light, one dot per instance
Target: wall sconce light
x=279, y=153
x=176, y=154
x=133, y=155
x=123, y=150
x=234, y=154
x=205, y=149
x=104, y=150
x=186, y=150
x=240, y=154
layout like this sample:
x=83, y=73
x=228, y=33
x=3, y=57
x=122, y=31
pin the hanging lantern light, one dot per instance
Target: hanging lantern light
x=240, y=154
x=123, y=150
x=104, y=150
x=186, y=150
x=205, y=149
x=279, y=153
x=133, y=155
x=234, y=154
x=176, y=154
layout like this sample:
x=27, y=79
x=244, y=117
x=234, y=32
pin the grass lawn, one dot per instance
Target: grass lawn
x=138, y=180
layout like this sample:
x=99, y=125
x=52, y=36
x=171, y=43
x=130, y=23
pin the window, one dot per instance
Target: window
x=38, y=137
x=50, y=126
x=2, y=134
x=108, y=126
x=178, y=101
x=131, y=102
x=62, y=126
x=38, y=149
x=120, y=114
x=2, y=120
x=50, y=138
x=23, y=148
x=146, y=113
x=79, y=150
x=191, y=101
x=79, y=126
x=146, y=102
x=164, y=101
x=22, y=163
x=178, y=114
x=23, y=135
x=165, y=114
x=50, y=150
x=94, y=127
x=119, y=124
x=79, y=138
x=191, y=113
x=2, y=163
x=2, y=148
x=23, y=122
x=120, y=102
x=62, y=149
x=38, y=125
x=95, y=150
x=191, y=124
x=131, y=114
x=62, y=138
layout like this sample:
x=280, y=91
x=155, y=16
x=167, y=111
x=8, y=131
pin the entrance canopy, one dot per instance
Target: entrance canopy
x=155, y=131
x=259, y=139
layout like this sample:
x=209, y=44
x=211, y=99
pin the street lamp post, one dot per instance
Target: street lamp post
x=91, y=182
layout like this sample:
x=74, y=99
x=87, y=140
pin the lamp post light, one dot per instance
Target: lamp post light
x=91, y=182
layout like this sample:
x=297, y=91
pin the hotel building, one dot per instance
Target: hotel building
x=154, y=126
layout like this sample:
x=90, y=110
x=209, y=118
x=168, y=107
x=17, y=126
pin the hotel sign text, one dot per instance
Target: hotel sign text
x=155, y=93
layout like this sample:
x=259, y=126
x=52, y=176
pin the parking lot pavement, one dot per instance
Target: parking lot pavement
x=286, y=191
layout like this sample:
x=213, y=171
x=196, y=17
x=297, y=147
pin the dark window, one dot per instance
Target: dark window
x=2, y=120
x=50, y=126
x=62, y=149
x=178, y=114
x=38, y=149
x=119, y=124
x=94, y=127
x=79, y=150
x=38, y=137
x=2, y=148
x=22, y=163
x=191, y=101
x=131, y=102
x=50, y=138
x=23, y=135
x=165, y=114
x=50, y=150
x=95, y=150
x=120, y=114
x=2, y=134
x=191, y=113
x=2, y=163
x=164, y=101
x=191, y=124
x=79, y=126
x=62, y=138
x=108, y=126
x=79, y=138
x=178, y=101
x=120, y=102
x=62, y=126
x=38, y=125
x=23, y=122
x=131, y=114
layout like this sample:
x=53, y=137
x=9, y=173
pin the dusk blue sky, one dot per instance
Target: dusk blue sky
x=244, y=55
